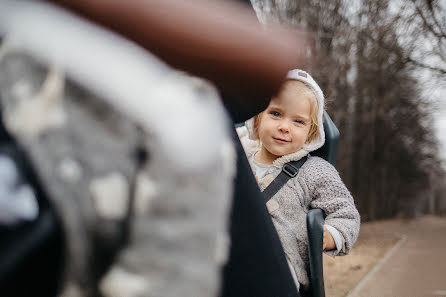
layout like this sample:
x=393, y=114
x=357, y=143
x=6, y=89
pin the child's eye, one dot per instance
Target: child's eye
x=275, y=113
x=300, y=122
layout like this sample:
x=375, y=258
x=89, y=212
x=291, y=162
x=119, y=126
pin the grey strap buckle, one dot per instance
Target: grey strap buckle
x=290, y=170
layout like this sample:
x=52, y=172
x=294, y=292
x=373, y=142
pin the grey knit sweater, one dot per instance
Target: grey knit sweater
x=317, y=185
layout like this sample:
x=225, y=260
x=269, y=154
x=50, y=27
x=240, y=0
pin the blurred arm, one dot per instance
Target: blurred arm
x=218, y=40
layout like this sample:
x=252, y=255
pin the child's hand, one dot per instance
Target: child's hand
x=329, y=243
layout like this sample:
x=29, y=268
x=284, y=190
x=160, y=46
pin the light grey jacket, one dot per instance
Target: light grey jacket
x=317, y=185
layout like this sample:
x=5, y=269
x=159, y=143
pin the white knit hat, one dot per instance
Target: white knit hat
x=306, y=78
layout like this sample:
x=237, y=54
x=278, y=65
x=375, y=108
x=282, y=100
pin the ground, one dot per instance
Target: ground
x=412, y=243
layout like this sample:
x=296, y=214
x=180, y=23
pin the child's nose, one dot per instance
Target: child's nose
x=284, y=126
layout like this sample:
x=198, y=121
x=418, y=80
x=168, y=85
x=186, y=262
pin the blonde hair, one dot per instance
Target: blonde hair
x=314, y=109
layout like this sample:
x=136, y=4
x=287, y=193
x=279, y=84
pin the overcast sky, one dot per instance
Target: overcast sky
x=440, y=119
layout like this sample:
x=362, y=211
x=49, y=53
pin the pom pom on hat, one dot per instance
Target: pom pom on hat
x=306, y=78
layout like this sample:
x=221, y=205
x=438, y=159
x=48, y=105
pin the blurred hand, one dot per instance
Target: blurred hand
x=329, y=243
x=218, y=40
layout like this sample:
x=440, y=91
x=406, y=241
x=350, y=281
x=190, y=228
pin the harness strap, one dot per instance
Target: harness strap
x=289, y=170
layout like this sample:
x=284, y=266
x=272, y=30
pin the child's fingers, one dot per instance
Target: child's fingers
x=329, y=242
x=324, y=244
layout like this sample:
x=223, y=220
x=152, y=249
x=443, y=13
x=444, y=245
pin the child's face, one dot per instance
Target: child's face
x=285, y=124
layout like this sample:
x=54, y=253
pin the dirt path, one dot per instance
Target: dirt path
x=415, y=267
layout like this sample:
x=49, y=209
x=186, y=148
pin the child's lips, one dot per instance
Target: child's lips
x=281, y=140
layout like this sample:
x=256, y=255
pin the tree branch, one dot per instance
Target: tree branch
x=440, y=35
x=423, y=65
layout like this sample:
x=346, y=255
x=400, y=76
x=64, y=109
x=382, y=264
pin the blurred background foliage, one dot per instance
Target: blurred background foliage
x=376, y=61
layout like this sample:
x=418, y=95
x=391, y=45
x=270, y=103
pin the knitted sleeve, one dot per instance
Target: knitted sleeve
x=329, y=193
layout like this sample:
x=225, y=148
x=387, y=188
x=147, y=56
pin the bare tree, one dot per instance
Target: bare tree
x=422, y=30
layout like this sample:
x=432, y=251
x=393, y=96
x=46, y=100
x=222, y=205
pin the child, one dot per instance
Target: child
x=289, y=129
